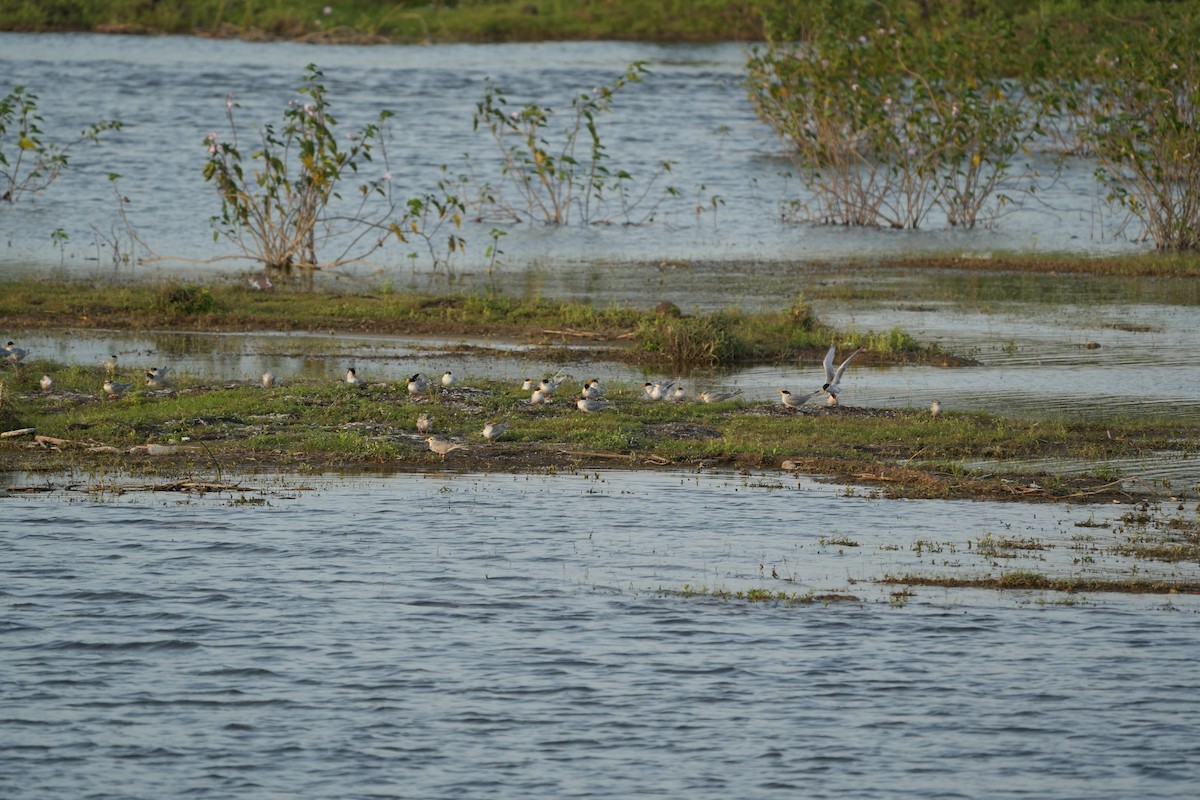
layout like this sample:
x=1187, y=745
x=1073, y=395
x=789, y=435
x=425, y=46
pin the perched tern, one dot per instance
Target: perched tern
x=418, y=383
x=935, y=409
x=792, y=402
x=591, y=405
x=548, y=386
x=591, y=391
x=832, y=376
x=678, y=395
x=47, y=383
x=717, y=397
x=13, y=353
x=110, y=366
x=596, y=385
x=268, y=380
x=352, y=377
x=441, y=446
x=156, y=378
x=528, y=385
x=114, y=389
x=658, y=391
x=494, y=430
x=538, y=398
x=448, y=378
x=424, y=425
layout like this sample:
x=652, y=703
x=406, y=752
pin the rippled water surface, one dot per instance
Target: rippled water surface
x=457, y=636
x=518, y=636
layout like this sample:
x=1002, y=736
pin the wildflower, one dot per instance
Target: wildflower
x=327, y=10
x=854, y=87
x=387, y=177
x=309, y=109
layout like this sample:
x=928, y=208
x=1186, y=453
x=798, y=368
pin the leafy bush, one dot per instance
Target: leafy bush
x=888, y=117
x=552, y=181
x=276, y=201
x=1144, y=129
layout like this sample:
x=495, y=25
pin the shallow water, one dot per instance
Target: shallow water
x=1029, y=332
x=693, y=110
x=363, y=636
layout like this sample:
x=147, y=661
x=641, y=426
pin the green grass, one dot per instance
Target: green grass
x=1019, y=579
x=404, y=21
x=905, y=452
x=520, y=20
x=622, y=333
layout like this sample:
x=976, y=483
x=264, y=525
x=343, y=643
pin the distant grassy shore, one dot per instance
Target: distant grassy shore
x=418, y=21
x=406, y=21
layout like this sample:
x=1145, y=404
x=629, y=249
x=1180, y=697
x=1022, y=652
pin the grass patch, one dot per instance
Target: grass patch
x=758, y=595
x=1158, y=537
x=325, y=423
x=1037, y=581
x=648, y=337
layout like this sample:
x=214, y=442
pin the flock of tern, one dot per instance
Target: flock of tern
x=591, y=397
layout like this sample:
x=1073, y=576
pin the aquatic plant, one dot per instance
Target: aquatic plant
x=1144, y=129
x=282, y=204
x=888, y=118
x=550, y=176
x=36, y=162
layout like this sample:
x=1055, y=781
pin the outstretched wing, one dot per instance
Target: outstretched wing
x=829, y=376
x=837, y=376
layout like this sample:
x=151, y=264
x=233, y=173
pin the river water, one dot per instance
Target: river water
x=444, y=635
x=170, y=93
x=454, y=636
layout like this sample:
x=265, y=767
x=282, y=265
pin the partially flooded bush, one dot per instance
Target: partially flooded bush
x=556, y=177
x=890, y=113
x=1144, y=129
x=888, y=118
x=281, y=190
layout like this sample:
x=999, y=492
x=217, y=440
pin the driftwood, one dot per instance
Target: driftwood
x=575, y=333
x=196, y=486
x=17, y=432
x=54, y=441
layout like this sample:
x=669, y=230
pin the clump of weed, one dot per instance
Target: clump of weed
x=688, y=342
x=184, y=298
